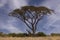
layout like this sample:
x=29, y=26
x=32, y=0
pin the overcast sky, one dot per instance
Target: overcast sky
x=48, y=25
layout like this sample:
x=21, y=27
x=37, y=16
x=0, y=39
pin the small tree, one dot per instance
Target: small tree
x=31, y=15
x=40, y=34
x=1, y=33
x=11, y=34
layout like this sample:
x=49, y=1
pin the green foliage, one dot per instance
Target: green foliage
x=55, y=34
x=41, y=34
x=17, y=35
x=2, y=34
x=11, y=34
x=22, y=34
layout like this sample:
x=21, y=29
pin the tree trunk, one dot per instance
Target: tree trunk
x=33, y=30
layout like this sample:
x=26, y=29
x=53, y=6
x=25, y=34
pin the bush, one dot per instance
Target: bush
x=2, y=34
x=22, y=35
x=11, y=35
x=55, y=34
x=40, y=34
x=17, y=35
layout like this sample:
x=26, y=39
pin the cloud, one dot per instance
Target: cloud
x=2, y=2
x=35, y=2
x=17, y=3
x=10, y=21
x=9, y=26
x=13, y=4
x=55, y=5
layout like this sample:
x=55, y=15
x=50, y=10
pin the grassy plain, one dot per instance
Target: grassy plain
x=30, y=38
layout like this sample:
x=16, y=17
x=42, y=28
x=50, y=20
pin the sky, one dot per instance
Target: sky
x=49, y=24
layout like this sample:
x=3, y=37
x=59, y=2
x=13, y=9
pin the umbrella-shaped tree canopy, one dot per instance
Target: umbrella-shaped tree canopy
x=31, y=15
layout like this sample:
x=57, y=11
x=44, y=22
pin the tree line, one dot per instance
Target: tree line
x=21, y=34
x=39, y=34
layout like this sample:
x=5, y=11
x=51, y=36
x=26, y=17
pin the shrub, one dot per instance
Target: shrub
x=11, y=35
x=40, y=34
x=21, y=34
x=55, y=34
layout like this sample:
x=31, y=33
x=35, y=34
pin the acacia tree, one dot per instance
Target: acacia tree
x=31, y=15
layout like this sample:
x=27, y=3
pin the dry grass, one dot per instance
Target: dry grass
x=30, y=38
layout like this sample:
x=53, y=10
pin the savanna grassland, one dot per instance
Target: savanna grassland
x=30, y=38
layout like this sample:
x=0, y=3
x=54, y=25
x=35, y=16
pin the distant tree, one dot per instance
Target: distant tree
x=31, y=15
x=17, y=35
x=41, y=34
x=1, y=33
x=22, y=35
x=11, y=35
x=55, y=34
